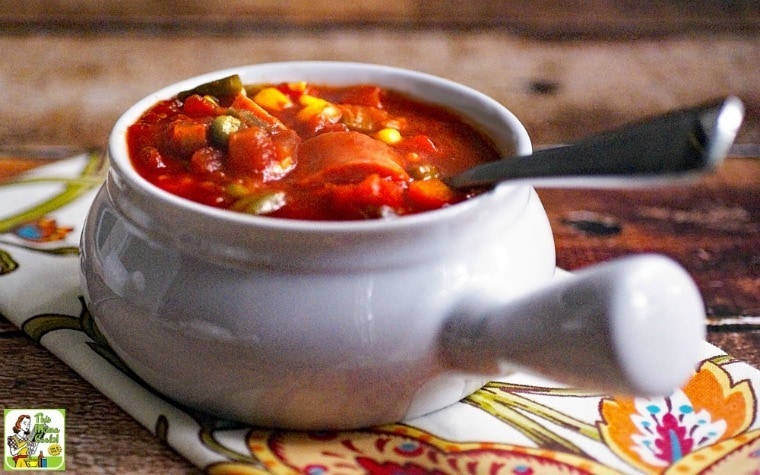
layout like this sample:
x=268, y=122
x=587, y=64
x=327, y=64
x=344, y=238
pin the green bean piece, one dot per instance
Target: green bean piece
x=423, y=172
x=224, y=87
x=222, y=127
x=248, y=118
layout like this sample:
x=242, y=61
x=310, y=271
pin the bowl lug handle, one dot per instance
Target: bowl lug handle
x=630, y=326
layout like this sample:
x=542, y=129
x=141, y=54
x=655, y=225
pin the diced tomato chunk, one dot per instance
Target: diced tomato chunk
x=192, y=187
x=258, y=152
x=199, y=106
x=207, y=160
x=151, y=157
x=367, y=198
x=362, y=95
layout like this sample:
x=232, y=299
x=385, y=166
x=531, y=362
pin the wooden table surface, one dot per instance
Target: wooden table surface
x=67, y=84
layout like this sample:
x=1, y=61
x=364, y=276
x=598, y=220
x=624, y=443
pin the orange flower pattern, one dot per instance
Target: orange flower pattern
x=42, y=230
x=701, y=428
x=398, y=449
x=653, y=434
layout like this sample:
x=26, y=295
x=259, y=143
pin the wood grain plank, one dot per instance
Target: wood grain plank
x=74, y=87
x=710, y=227
x=545, y=18
x=100, y=437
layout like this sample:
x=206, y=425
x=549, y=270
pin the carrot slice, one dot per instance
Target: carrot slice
x=187, y=136
x=245, y=103
x=432, y=194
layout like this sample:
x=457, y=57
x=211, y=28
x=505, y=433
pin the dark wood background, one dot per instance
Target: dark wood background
x=538, y=18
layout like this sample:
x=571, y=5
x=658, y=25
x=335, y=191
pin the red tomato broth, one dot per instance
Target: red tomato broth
x=307, y=151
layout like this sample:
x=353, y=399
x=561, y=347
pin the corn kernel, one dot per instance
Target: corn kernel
x=272, y=99
x=389, y=136
x=308, y=112
x=308, y=100
x=315, y=106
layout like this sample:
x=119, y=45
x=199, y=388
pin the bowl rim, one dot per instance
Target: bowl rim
x=120, y=160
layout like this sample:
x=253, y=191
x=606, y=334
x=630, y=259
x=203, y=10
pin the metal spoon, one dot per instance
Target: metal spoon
x=678, y=144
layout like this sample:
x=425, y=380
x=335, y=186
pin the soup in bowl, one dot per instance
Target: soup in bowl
x=301, y=150
x=219, y=294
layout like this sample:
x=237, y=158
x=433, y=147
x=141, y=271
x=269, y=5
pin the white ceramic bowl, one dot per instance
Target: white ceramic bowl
x=306, y=324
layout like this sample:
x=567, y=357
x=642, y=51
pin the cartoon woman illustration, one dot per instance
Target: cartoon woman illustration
x=21, y=443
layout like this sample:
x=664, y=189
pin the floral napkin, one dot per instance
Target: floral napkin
x=517, y=425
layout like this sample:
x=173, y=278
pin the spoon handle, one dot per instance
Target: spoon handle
x=678, y=143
